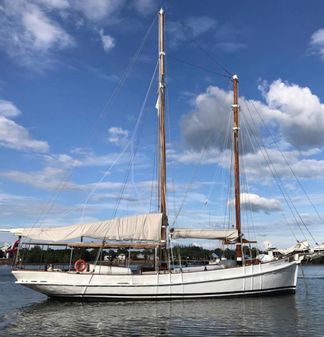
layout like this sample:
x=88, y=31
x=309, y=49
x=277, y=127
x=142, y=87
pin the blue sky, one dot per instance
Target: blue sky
x=75, y=124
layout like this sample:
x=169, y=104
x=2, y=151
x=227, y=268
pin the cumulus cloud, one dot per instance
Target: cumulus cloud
x=256, y=203
x=209, y=125
x=292, y=111
x=317, y=43
x=299, y=113
x=275, y=162
x=117, y=136
x=8, y=109
x=15, y=136
x=108, y=42
x=34, y=31
x=260, y=164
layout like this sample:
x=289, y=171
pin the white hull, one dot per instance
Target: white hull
x=272, y=277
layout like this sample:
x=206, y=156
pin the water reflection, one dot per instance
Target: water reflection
x=226, y=317
x=299, y=315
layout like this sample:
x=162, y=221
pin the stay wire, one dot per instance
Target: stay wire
x=279, y=183
x=273, y=171
x=289, y=166
x=200, y=67
x=133, y=140
x=130, y=161
x=63, y=184
x=189, y=186
x=293, y=205
x=212, y=57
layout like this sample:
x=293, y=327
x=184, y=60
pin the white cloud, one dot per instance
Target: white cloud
x=117, y=136
x=34, y=31
x=49, y=178
x=294, y=113
x=15, y=136
x=41, y=33
x=86, y=158
x=189, y=29
x=54, y=4
x=301, y=116
x=209, y=125
x=145, y=7
x=97, y=10
x=262, y=164
x=61, y=160
x=8, y=109
x=58, y=179
x=29, y=35
x=317, y=43
x=255, y=203
x=200, y=25
x=221, y=36
x=108, y=42
x=257, y=164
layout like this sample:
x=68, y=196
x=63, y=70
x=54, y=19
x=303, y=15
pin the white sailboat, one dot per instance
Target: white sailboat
x=99, y=282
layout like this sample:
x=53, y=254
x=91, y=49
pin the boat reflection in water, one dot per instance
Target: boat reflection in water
x=232, y=317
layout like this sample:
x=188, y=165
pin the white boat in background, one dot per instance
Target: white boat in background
x=99, y=282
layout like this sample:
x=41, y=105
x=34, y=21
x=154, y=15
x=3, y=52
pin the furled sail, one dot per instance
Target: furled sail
x=299, y=247
x=145, y=227
x=187, y=233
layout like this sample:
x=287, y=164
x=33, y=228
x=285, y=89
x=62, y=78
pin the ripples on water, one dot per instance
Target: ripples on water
x=26, y=313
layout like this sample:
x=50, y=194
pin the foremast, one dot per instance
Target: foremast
x=235, y=106
x=162, y=154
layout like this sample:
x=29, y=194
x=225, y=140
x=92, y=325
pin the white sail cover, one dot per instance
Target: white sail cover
x=189, y=233
x=145, y=227
x=299, y=247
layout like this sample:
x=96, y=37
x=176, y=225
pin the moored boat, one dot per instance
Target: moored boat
x=163, y=281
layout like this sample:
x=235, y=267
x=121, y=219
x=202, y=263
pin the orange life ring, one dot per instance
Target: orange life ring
x=80, y=265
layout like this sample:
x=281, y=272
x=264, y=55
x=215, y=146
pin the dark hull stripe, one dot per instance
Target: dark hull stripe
x=124, y=297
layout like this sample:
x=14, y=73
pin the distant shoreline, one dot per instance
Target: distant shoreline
x=4, y=262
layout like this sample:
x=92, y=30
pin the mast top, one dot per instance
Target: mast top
x=161, y=11
x=235, y=77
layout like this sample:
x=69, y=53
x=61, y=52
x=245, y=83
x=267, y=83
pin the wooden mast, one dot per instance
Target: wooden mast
x=238, y=251
x=161, y=110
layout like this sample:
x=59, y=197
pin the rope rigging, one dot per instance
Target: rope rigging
x=106, y=109
x=276, y=176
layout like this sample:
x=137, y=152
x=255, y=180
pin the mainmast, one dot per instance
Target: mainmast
x=161, y=110
x=238, y=251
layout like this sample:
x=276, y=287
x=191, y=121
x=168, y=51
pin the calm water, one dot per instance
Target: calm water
x=26, y=313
